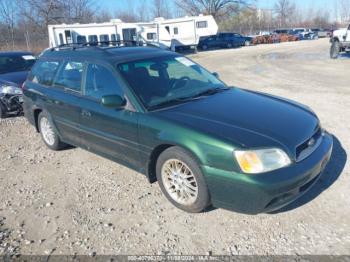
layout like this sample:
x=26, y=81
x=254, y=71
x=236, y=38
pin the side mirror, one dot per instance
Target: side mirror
x=113, y=101
x=216, y=74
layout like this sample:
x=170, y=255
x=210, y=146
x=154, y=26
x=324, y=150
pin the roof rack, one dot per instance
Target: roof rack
x=101, y=45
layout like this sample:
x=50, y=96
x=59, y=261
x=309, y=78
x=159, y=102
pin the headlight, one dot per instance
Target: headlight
x=262, y=160
x=10, y=90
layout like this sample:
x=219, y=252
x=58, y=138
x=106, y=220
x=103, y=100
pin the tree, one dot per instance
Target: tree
x=285, y=10
x=216, y=8
x=161, y=9
x=8, y=13
x=344, y=6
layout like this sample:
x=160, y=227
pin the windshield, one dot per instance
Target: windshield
x=159, y=80
x=16, y=63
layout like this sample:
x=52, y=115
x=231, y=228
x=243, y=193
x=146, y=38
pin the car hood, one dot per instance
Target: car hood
x=247, y=119
x=16, y=77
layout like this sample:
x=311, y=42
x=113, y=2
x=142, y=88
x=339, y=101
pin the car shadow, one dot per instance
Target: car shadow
x=328, y=177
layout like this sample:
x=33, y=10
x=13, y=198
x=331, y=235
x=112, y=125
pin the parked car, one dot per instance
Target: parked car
x=305, y=34
x=340, y=42
x=163, y=115
x=227, y=40
x=320, y=32
x=14, y=67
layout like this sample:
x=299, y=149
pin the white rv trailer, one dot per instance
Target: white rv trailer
x=166, y=33
x=115, y=30
x=178, y=32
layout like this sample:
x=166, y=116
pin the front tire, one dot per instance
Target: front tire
x=181, y=180
x=48, y=133
x=335, y=49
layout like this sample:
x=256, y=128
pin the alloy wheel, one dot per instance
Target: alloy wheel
x=179, y=182
x=47, y=131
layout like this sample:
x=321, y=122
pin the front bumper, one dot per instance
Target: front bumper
x=253, y=194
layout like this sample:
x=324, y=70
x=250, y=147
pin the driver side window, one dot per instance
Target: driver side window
x=100, y=82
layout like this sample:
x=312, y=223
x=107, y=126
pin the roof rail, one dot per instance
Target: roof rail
x=99, y=45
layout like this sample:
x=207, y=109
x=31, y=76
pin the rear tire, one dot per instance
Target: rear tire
x=335, y=49
x=48, y=133
x=181, y=180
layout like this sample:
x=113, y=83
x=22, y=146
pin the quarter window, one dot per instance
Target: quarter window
x=44, y=72
x=202, y=24
x=100, y=82
x=70, y=76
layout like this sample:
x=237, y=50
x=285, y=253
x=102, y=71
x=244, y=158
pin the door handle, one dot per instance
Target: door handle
x=85, y=113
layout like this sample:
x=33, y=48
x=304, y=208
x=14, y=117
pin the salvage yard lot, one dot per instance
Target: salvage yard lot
x=75, y=202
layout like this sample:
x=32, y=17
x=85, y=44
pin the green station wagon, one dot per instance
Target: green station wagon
x=167, y=117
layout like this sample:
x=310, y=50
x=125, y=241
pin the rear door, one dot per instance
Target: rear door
x=107, y=131
x=63, y=100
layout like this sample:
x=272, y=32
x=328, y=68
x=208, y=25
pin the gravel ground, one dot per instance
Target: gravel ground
x=74, y=202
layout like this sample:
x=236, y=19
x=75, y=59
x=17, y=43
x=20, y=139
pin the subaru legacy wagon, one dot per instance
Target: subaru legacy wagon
x=165, y=116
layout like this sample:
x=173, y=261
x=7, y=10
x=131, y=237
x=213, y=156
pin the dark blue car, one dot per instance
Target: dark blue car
x=14, y=68
x=226, y=40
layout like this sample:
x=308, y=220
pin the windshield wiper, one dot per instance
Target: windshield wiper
x=209, y=92
x=180, y=100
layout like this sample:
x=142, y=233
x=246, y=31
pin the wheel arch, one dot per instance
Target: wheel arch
x=157, y=151
x=36, y=113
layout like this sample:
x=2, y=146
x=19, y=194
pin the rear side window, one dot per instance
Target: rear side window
x=44, y=72
x=176, y=31
x=100, y=82
x=70, y=76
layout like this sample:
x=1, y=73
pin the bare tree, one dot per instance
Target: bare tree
x=8, y=13
x=285, y=10
x=215, y=8
x=161, y=9
x=344, y=6
x=143, y=11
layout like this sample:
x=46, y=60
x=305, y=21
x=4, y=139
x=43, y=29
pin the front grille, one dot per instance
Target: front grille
x=307, y=147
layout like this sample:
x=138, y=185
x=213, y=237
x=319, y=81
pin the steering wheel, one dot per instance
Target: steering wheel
x=177, y=83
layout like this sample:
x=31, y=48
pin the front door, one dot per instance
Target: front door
x=109, y=132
